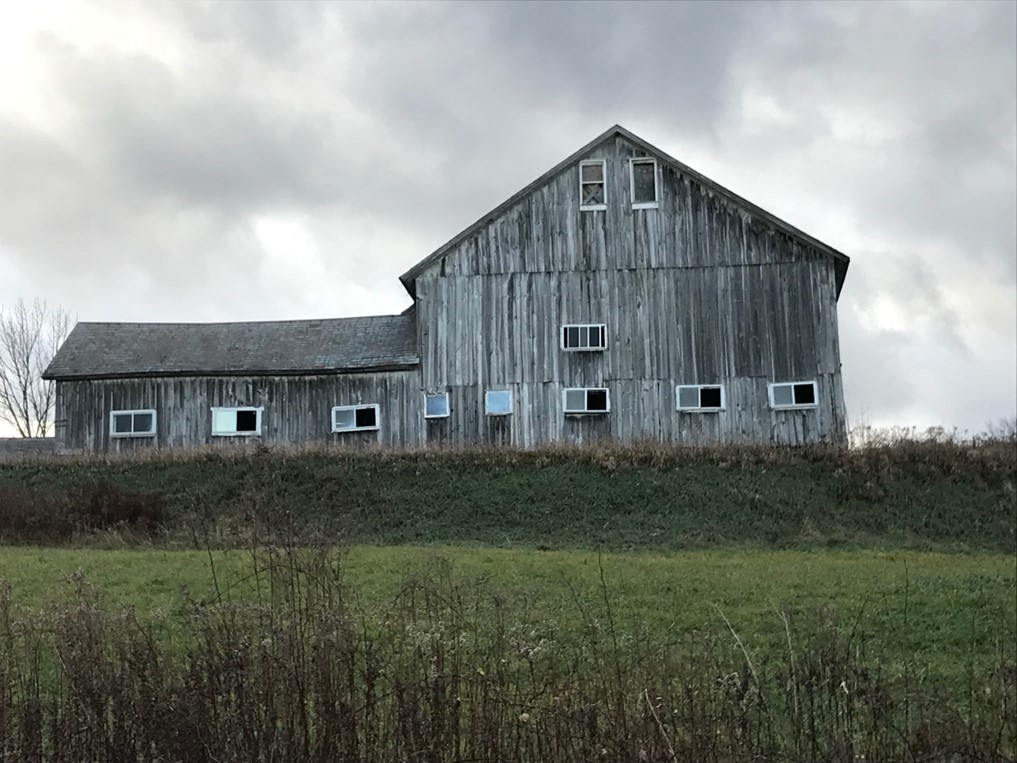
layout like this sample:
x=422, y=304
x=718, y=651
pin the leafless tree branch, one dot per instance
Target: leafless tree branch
x=29, y=338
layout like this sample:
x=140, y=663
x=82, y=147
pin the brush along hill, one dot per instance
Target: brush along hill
x=916, y=495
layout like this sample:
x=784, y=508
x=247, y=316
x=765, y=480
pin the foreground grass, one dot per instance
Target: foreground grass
x=945, y=615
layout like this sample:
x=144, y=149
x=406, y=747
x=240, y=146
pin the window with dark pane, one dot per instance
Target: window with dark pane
x=709, y=397
x=805, y=394
x=122, y=423
x=644, y=183
x=247, y=421
x=572, y=337
x=142, y=422
x=366, y=418
x=596, y=399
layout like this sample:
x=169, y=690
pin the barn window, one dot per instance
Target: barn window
x=584, y=336
x=699, y=398
x=498, y=402
x=643, y=183
x=592, y=185
x=233, y=422
x=132, y=423
x=355, y=418
x=586, y=400
x=793, y=395
x=436, y=405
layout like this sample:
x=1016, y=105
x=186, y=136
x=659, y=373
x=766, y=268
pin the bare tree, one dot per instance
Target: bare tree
x=29, y=337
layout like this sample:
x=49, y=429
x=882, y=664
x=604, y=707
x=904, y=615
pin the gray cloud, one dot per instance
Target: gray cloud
x=380, y=131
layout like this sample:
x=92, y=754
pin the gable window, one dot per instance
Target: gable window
x=233, y=422
x=498, y=402
x=699, y=398
x=793, y=395
x=643, y=182
x=586, y=400
x=584, y=336
x=436, y=405
x=132, y=423
x=355, y=418
x=592, y=185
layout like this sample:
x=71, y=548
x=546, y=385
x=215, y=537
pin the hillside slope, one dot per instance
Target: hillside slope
x=927, y=495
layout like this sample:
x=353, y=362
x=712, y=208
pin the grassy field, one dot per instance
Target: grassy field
x=944, y=496
x=945, y=613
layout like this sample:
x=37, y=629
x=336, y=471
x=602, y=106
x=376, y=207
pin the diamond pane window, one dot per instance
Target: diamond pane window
x=592, y=186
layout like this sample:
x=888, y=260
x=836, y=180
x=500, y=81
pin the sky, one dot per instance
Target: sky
x=222, y=161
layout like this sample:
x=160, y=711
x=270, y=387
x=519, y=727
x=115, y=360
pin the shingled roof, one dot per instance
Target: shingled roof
x=343, y=345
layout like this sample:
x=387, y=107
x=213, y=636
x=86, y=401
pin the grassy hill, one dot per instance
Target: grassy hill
x=946, y=496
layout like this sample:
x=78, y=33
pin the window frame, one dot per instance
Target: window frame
x=700, y=409
x=511, y=402
x=448, y=407
x=586, y=410
x=593, y=207
x=132, y=412
x=259, y=420
x=793, y=406
x=354, y=408
x=566, y=326
x=655, y=204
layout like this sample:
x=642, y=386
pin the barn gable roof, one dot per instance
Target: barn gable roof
x=342, y=345
x=841, y=260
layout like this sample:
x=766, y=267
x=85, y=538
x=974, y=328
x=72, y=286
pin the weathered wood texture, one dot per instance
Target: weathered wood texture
x=297, y=409
x=693, y=292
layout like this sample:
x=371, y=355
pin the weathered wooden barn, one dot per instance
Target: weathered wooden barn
x=620, y=295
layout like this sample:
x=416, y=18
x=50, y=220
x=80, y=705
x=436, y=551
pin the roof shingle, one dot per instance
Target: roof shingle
x=105, y=350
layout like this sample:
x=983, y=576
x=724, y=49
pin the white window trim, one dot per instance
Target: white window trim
x=114, y=414
x=566, y=326
x=632, y=184
x=448, y=407
x=509, y=412
x=585, y=411
x=341, y=430
x=237, y=409
x=793, y=406
x=592, y=207
x=700, y=409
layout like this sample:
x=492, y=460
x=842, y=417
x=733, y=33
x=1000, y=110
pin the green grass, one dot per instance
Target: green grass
x=943, y=614
x=920, y=496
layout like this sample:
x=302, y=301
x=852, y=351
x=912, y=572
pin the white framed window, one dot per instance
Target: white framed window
x=584, y=336
x=236, y=422
x=498, y=402
x=592, y=185
x=799, y=394
x=643, y=183
x=436, y=405
x=355, y=418
x=699, y=398
x=139, y=423
x=586, y=400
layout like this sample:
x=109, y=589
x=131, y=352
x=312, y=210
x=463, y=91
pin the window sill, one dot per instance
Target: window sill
x=433, y=418
x=586, y=413
x=808, y=407
x=236, y=434
x=584, y=349
x=702, y=410
x=356, y=429
x=647, y=205
x=130, y=435
x=594, y=208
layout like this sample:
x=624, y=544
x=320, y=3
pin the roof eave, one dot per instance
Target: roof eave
x=205, y=373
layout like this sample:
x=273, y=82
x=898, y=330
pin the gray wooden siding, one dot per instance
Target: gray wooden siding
x=695, y=291
x=297, y=409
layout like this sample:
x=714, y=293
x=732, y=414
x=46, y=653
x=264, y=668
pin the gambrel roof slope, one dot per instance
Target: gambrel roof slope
x=841, y=260
x=341, y=345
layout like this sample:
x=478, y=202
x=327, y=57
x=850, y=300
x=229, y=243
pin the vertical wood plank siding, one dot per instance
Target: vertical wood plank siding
x=696, y=291
x=298, y=409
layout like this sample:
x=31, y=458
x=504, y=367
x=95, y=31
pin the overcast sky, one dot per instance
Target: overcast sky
x=246, y=161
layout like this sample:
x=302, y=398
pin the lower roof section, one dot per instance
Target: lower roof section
x=337, y=345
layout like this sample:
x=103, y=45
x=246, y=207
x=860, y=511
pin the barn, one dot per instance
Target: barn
x=620, y=296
